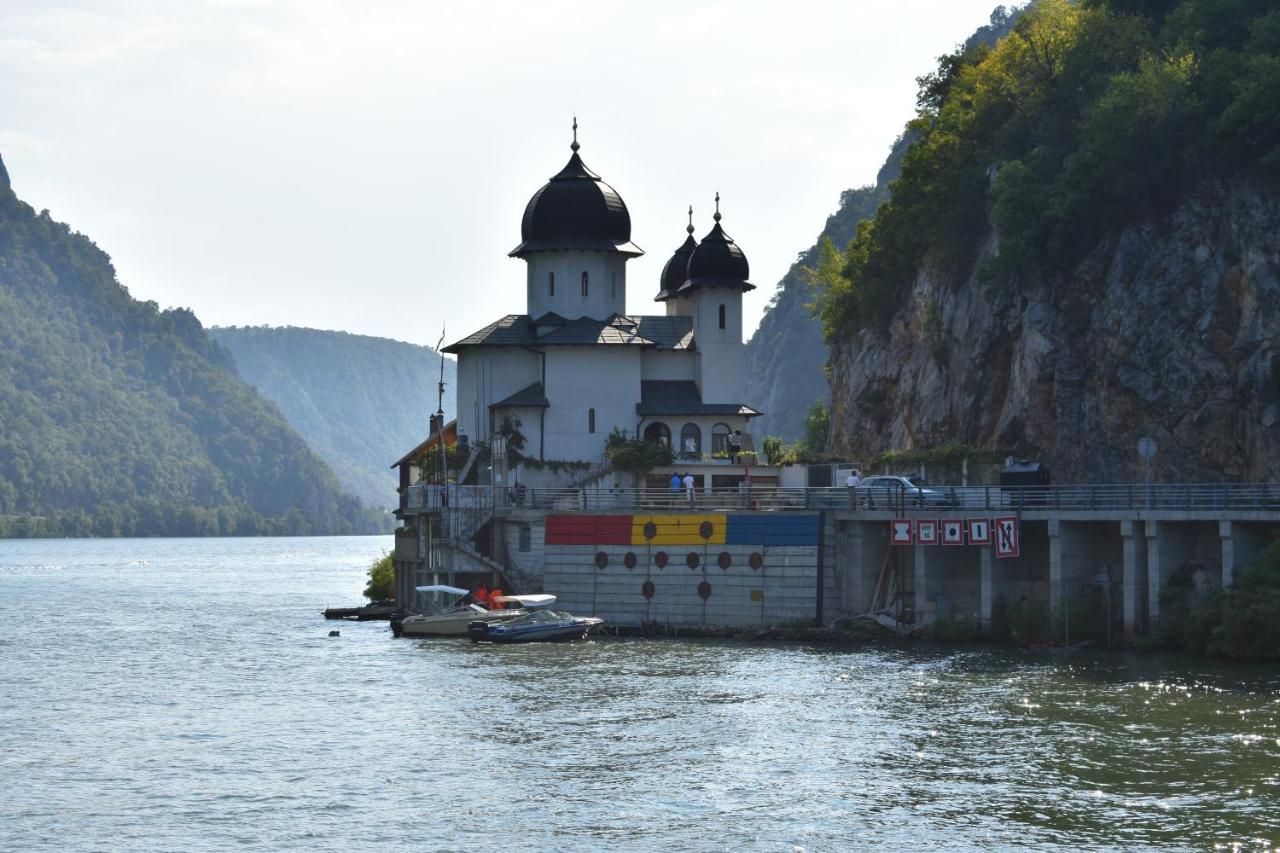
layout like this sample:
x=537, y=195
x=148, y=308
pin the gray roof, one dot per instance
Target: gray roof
x=681, y=397
x=519, y=330
x=531, y=397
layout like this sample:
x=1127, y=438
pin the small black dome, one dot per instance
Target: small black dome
x=676, y=271
x=717, y=262
x=576, y=210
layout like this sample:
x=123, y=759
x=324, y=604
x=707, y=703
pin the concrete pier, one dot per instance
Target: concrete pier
x=809, y=556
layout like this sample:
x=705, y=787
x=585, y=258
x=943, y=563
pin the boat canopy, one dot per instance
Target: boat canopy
x=439, y=587
x=530, y=602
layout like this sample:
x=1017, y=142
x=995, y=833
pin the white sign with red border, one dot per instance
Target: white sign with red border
x=927, y=531
x=952, y=531
x=901, y=531
x=979, y=531
x=1006, y=530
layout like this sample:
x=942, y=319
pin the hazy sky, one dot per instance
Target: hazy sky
x=364, y=166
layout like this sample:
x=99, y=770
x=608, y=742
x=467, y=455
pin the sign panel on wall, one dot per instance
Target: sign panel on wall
x=952, y=531
x=901, y=531
x=1007, y=544
x=979, y=531
x=927, y=531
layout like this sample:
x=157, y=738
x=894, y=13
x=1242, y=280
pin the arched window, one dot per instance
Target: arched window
x=722, y=315
x=658, y=433
x=690, y=440
x=591, y=420
x=551, y=284
x=720, y=438
x=585, y=285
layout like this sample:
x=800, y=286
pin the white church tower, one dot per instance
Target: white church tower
x=576, y=239
x=705, y=281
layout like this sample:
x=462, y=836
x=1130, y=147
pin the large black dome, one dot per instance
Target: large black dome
x=576, y=210
x=717, y=262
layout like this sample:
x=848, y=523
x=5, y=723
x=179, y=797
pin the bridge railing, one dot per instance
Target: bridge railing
x=1191, y=497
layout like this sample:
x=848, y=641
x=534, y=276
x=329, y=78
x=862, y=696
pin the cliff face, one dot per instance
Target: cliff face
x=785, y=355
x=1169, y=329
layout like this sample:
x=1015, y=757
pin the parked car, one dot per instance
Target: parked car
x=888, y=491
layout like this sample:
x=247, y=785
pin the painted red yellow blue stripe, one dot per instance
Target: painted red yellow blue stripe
x=684, y=529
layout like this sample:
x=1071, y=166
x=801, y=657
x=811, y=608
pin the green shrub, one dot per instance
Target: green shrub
x=1080, y=617
x=951, y=627
x=382, y=580
x=1028, y=621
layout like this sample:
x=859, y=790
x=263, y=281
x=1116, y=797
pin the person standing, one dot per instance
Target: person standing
x=852, y=482
x=675, y=482
x=688, y=486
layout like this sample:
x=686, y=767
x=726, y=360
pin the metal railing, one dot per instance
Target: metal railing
x=1189, y=497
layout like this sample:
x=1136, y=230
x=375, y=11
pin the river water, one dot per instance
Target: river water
x=184, y=694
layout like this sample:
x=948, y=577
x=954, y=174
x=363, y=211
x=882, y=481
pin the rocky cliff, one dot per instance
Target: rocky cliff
x=1169, y=328
x=785, y=355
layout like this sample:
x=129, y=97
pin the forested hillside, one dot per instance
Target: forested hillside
x=117, y=418
x=785, y=356
x=1082, y=249
x=360, y=402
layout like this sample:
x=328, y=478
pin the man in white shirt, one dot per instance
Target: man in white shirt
x=852, y=482
x=688, y=486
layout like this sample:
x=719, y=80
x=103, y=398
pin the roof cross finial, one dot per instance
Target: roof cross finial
x=690, y=226
x=574, y=147
x=717, y=214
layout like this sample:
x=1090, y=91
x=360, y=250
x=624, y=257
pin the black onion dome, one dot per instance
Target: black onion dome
x=576, y=210
x=717, y=262
x=676, y=270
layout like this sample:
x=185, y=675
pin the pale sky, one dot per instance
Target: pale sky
x=364, y=165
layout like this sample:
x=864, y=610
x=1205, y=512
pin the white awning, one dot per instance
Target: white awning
x=439, y=587
x=530, y=602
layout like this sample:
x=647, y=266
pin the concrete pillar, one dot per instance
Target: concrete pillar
x=986, y=583
x=1225, y=530
x=921, y=584
x=1055, y=564
x=1153, y=571
x=1135, y=575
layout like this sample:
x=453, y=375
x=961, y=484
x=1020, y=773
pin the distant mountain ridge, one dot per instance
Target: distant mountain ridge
x=361, y=402
x=119, y=419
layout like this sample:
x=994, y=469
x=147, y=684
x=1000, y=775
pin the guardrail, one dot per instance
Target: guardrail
x=1084, y=497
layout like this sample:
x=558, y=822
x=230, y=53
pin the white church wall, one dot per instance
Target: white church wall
x=606, y=379
x=667, y=365
x=606, y=284
x=705, y=425
x=530, y=420
x=487, y=375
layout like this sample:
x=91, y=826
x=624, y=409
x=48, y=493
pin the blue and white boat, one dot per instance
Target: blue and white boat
x=539, y=624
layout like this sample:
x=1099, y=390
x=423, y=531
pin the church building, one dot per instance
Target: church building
x=575, y=365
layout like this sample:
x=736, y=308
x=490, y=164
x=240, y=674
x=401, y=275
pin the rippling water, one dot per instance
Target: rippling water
x=166, y=694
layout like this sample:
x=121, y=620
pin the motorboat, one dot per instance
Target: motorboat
x=537, y=624
x=452, y=618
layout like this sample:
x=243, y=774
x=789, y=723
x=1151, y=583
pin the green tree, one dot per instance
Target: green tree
x=382, y=580
x=636, y=456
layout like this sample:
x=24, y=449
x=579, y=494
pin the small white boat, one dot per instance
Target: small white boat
x=537, y=623
x=452, y=619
